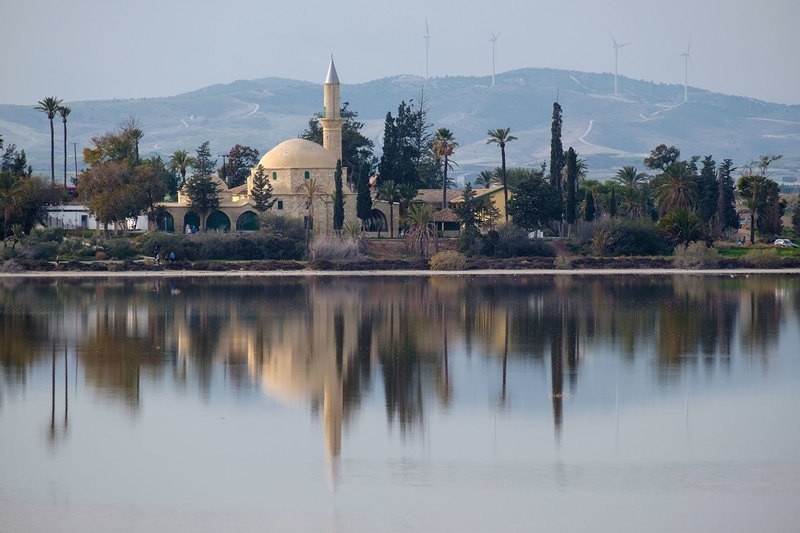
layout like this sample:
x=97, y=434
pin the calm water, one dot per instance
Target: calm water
x=431, y=404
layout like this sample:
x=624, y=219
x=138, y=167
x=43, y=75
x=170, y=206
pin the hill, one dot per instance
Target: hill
x=607, y=131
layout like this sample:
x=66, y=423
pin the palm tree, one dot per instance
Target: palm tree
x=64, y=112
x=676, y=187
x=500, y=137
x=486, y=179
x=179, y=161
x=407, y=194
x=421, y=228
x=444, y=145
x=389, y=191
x=632, y=182
x=49, y=106
x=310, y=192
x=630, y=178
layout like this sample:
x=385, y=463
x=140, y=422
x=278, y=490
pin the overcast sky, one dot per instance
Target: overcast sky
x=102, y=49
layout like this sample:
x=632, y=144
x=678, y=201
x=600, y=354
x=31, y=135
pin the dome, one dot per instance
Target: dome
x=298, y=153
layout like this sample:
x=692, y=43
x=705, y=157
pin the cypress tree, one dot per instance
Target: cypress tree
x=338, y=199
x=363, y=197
x=589, y=210
x=612, y=203
x=556, y=148
x=707, y=190
x=570, y=207
x=726, y=198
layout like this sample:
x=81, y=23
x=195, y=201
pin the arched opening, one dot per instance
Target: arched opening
x=191, y=222
x=218, y=221
x=166, y=223
x=248, y=221
x=377, y=221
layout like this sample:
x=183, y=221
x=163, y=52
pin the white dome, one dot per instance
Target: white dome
x=299, y=154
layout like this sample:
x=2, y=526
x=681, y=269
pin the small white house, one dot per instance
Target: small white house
x=76, y=216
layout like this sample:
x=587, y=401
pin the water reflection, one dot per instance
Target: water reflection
x=327, y=343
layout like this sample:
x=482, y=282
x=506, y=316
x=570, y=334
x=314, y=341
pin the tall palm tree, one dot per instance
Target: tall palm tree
x=64, y=112
x=389, y=191
x=500, y=137
x=179, y=161
x=49, y=106
x=444, y=145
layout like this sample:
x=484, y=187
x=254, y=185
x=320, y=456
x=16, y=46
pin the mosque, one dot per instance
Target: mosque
x=296, y=168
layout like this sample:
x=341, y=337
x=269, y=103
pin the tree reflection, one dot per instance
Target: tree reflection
x=325, y=342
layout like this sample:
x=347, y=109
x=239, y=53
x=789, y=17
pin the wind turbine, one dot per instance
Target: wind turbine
x=494, y=42
x=617, y=46
x=427, y=47
x=686, y=57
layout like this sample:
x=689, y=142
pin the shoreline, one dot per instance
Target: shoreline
x=395, y=273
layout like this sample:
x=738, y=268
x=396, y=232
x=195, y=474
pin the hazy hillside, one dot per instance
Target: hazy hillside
x=607, y=131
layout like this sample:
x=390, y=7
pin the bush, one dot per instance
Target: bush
x=763, y=258
x=280, y=226
x=696, y=255
x=121, y=249
x=513, y=241
x=630, y=237
x=562, y=263
x=449, y=260
x=336, y=249
x=229, y=246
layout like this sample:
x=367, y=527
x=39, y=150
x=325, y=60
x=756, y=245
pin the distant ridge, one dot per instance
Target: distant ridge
x=607, y=131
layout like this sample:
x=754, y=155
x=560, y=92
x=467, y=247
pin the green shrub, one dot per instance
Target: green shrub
x=696, y=255
x=513, y=241
x=763, y=258
x=630, y=237
x=47, y=235
x=449, y=260
x=121, y=249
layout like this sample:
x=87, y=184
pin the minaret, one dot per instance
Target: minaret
x=332, y=120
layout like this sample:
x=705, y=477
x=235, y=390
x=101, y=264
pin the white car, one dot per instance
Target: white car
x=786, y=243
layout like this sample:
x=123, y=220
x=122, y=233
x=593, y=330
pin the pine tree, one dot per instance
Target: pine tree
x=262, y=190
x=200, y=188
x=338, y=199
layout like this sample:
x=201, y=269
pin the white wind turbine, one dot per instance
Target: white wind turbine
x=617, y=46
x=494, y=43
x=687, y=56
x=427, y=47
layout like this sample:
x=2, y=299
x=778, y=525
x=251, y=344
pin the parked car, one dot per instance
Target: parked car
x=786, y=243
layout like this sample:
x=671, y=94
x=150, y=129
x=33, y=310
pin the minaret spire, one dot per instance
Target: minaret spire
x=331, y=120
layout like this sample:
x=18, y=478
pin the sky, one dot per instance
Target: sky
x=104, y=49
